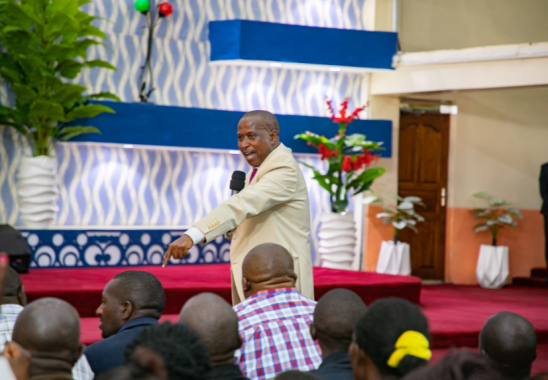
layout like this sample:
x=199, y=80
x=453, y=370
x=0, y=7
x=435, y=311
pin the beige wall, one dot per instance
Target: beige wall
x=499, y=139
x=455, y=24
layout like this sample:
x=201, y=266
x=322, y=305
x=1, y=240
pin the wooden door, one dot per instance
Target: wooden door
x=422, y=171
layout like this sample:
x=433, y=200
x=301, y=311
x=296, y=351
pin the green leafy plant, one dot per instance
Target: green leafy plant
x=42, y=44
x=495, y=216
x=401, y=216
x=349, y=159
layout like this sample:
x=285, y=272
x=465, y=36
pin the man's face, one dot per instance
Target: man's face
x=110, y=311
x=255, y=141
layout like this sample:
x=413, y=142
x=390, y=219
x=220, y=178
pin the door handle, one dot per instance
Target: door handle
x=443, y=196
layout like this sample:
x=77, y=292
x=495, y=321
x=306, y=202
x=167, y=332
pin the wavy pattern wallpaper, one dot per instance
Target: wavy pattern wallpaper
x=105, y=185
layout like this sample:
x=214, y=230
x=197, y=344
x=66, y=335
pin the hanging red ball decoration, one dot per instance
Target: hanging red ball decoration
x=165, y=9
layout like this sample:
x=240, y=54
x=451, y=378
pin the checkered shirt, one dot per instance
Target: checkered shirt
x=274, y=327
x=8, y=315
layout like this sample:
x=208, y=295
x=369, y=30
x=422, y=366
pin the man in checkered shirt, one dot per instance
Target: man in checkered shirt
x=274, y=317
x=11, y=304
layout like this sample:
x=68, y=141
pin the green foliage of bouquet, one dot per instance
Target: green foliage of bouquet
x=349, y=159
x=495, y=216
x=401, y=216
x=41, y=43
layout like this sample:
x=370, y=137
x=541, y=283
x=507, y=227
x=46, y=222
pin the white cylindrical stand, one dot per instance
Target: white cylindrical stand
x=37, y=191
x=394, y=259
x=492, y=270
x=337, y=240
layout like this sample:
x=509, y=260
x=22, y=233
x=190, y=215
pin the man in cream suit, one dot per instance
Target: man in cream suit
x=272, y=208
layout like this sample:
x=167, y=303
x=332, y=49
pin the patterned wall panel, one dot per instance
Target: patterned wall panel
x=112, y=186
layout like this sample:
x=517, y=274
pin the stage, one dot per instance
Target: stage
x=82, y=287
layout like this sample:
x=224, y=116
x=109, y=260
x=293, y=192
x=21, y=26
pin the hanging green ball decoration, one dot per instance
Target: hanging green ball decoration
x=142, y=5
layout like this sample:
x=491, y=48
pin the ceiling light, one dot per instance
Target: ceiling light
x=234, y=151
x=275, y=64
x=334, y=69
x=128, y=146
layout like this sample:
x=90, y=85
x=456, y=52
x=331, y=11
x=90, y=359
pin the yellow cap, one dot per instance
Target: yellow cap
x=410, y=343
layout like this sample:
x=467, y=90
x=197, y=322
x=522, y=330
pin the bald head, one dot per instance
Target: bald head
x=267, y=119
x=335, y=316
x=267, y=266
x=510, y=341
x=215, y=322
x=50, y=329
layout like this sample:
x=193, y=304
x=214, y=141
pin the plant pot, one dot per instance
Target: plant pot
x=337, y=240
x=394, y=258
x=492, y=269
x=38, y=191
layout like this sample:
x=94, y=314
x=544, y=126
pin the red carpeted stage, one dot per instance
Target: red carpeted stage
x=82, y=287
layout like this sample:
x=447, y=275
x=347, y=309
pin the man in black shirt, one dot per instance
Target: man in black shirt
x=217, y=325
x=335, y=316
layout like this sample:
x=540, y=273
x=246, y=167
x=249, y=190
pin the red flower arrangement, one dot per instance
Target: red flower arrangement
x=349, y=158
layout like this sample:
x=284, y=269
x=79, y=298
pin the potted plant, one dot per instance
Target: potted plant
x=395, y=256
x=43, y=46
x=492, y=268
x=350, y=169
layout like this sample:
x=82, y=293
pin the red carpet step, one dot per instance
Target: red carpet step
x=82, y=287
x=537, y=279
x=457, y=313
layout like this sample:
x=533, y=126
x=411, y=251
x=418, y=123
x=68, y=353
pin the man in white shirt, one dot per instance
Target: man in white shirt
x=12, y=303
x=272, y=208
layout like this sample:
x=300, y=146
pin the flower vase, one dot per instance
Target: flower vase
x=492, y=269
x=337, y=240
x=37, y=191
x=394, y=258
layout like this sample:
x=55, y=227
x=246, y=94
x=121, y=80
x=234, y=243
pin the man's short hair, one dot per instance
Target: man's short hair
x=12, y=283
x=185, y=355
x=142, y=289
x=269, y=120
x=336, y=314
x=511, y=342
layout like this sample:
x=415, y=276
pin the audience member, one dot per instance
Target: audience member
x=335, y=316
x=510, y=341
x=18, y=359
x=12, y=303
x=49, y=329
x=295, y=375
x=131, y=302
x=181, y=349
x=217, y=325
x=459, y=365
x=274, y=317
x=390, y=340
x=144, y=364
x=540, y=376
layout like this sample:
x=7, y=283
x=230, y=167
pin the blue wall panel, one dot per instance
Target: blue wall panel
x=266, y=41
x=147, y=124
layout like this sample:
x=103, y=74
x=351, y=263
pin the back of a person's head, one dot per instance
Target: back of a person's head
x=215, y=322
x=143, y=290
x=394, y=334
x=49, y=329
x=267, y=266
x=510, y=341
x=181, y=349
x=459, y=365
x=295, y=375
x=335, y=316
x=13, y=292
x=144, y=364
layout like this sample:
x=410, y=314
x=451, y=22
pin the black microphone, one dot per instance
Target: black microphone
x=237, y=183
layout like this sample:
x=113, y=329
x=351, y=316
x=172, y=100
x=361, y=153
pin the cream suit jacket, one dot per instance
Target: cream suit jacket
x=273, y=208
